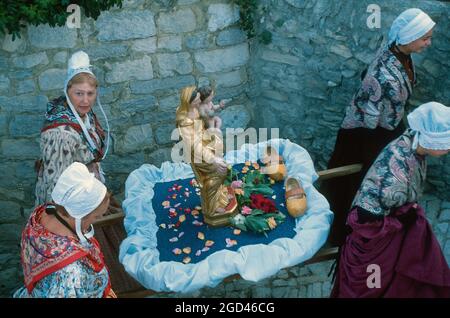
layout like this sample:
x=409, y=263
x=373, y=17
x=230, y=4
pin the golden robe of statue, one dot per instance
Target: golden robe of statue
x=204, y=151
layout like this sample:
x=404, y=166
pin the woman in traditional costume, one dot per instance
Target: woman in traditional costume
x=391, y=250
x=60, y=257
x=72, y=133
x=374, y=116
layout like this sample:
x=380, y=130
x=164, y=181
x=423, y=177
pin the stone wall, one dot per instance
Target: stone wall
x=310, y=71
x=142, y=55
x=146, y=51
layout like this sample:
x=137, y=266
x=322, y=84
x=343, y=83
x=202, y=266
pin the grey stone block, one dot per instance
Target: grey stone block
x=26, y=86
x=136, y=138
x=147, y=87
x=61, y=57
x=197, y=41
x=20, y=148
x=52, y=79
x=147, y=45
x=125, y=25
x=444, y=215
x=10, y=212
x=11, y=233
x=23, y=103
x=276, y=57
x=159, y=156
x=4, y=84
x=261, y=292
x=163, y=134
x=174, y=63
x=139, y=105
x=31, y=60
x=170, y=43
x=222, y=59
x=231, y=37
x=229, y=79
x=136, y=69
x=46, y=37
x=103, y=51
x=169, y=103
x=180, y=21
x=26, y=125
x=221, y=15
x=235, y=117
x=123, y=164
x=20, y=74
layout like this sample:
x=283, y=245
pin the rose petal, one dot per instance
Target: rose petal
x=173, y=239
x=209, y=243
x=181, y=234
x=201, y=236
x=165, y=203
x=176, y=251
x=163, y=225
x=182, y=218
x=205, y=249
x=236, y=231
x=186, y=260
x=198, y=253
x=187, y=250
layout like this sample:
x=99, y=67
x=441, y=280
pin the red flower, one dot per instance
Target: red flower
x=261, y=203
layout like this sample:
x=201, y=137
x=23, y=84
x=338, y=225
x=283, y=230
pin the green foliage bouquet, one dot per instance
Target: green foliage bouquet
x=253, y=192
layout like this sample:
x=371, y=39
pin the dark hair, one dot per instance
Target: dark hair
x=193, y=96
x=205, y=91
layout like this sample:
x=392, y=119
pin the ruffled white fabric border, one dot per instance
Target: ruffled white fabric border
x=140, y=256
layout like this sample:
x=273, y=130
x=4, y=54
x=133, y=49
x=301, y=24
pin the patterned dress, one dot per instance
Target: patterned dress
x=57, y=266
x=373, y=119
x=395, y=178
x=62, y=143
x=381, y=99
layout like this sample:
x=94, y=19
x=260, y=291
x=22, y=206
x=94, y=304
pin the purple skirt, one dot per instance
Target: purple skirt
x=387, y=258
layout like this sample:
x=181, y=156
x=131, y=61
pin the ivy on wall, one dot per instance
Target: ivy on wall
x=248, y=11
x=16, y=14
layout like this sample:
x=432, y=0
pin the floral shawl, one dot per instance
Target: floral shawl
x=395, y=178
x=381, y=98
x=43, y=252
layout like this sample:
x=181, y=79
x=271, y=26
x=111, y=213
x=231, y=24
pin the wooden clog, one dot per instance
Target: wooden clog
x=274, y=164
x=295, y=198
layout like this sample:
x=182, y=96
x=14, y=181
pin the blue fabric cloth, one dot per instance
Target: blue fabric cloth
x=218, y=235
x=141, y=255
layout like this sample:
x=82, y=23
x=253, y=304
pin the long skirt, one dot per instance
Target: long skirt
x=359, y=145
x=397, y=256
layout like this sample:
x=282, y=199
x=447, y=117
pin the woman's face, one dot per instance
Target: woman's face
x=96, y=214
x=82, y=97
x=420, y=44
